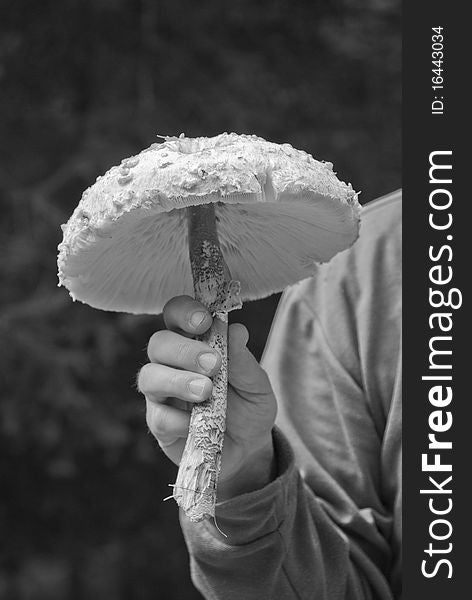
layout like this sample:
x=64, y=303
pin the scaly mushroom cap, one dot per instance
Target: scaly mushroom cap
x=279, y=213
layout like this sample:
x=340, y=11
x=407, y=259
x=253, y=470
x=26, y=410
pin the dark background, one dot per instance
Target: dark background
x=83, y=84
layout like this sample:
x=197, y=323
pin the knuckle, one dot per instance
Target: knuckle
x=156, y=422
x=156, y=341
x=149, y=420
x=144, y=377
x=160, y=427
x=183, y=354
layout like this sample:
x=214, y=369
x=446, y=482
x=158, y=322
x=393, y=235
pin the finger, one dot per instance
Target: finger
x=174, y=350
x=157, y=382
x=245, y=374
x=185, y=314
x=166, y=423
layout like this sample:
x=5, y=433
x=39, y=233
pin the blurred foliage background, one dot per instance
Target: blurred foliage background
x=83, y=84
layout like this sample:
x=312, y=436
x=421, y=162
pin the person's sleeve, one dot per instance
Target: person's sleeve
x=281, y=545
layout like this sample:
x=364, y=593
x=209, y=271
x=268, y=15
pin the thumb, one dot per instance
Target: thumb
x=245, y=374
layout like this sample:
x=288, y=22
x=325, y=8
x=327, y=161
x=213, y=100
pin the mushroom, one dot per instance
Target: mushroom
x=253, y=216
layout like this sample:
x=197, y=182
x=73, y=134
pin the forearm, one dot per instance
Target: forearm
x=280, y=544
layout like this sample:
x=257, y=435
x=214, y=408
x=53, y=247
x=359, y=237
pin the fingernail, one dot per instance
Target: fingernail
x=197, y=318
x=197, y=386
x=207, y=361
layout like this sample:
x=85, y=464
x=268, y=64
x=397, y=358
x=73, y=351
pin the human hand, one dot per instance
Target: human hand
x=179, y=375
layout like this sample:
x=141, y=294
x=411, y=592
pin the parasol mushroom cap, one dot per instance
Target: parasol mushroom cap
x=279, y=212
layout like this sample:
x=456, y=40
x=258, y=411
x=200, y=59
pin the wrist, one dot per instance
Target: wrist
x=257, y=471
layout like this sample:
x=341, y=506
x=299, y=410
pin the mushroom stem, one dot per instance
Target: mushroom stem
x=195, y=488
